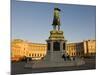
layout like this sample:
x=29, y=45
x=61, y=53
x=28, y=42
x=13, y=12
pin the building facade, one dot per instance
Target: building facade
x=75, y=49
x=86, y=48
x=20, y=49
x=89, y=47
x=37, y=51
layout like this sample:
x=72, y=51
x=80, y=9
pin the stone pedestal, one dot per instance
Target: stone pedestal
x=56, y=46
x=56, y=49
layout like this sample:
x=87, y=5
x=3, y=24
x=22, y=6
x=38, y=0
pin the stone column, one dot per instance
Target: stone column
x=51, y=51
x=51, y=46
x=61, y=46
x=65, y=48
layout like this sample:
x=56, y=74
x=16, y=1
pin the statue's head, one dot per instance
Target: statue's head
x=57, y=9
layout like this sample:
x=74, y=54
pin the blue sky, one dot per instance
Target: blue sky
x=32, y=21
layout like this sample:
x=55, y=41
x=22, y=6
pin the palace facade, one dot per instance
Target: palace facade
x=86, y=48
x=20, y=49
x=89, y=47
x=75, y=49
x=36, y=51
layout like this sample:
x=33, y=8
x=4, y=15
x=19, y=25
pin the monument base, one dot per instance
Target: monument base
x=48, y=64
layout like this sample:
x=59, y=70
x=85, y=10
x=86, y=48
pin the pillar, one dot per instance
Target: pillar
x=51, y=46
x=61, y=46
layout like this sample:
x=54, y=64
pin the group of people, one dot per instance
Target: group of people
x=67, y=57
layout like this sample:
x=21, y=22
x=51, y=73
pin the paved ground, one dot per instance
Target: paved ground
x=48, y=64
x=18, y=68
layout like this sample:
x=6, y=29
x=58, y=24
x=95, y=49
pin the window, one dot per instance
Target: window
x=29, y=54
x=32, y=55
x=35, y=55
x=74, y=54
x=38, y=55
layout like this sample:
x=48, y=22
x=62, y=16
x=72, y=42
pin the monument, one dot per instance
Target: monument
x=56, y=44
x=56, y=48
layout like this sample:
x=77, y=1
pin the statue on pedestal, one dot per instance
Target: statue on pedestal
x=56, y=19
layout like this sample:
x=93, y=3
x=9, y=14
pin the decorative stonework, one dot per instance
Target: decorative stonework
x=56, y=35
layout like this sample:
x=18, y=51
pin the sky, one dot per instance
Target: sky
x=32, y=21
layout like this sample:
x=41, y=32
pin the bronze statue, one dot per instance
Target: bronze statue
x=56, y=19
